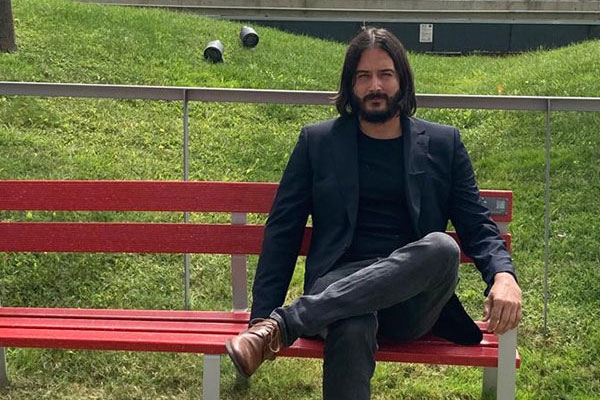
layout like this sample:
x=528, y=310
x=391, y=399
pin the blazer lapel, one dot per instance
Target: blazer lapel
x=344, y=149
x=416, y=149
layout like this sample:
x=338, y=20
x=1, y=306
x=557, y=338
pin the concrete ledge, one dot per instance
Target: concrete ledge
x=436, y=5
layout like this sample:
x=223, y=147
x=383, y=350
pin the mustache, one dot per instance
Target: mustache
x=376, y=96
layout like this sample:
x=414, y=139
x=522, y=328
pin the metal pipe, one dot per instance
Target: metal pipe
x=186, y=215
x=548, y=145
x=221, y=95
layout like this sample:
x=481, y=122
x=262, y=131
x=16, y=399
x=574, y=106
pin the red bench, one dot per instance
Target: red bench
x=189, y=331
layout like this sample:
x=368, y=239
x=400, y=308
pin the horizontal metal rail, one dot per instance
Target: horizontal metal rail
x=166, y=93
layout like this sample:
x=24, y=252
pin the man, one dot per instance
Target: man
x=380, y=187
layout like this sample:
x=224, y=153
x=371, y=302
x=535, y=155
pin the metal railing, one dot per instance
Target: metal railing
x=186, y=95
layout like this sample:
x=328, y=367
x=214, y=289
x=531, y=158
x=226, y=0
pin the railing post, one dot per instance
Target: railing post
x=548, y=147
x=3, y=368
x=186, y=177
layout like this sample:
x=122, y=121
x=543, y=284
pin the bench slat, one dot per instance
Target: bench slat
x=130, y=237
x=253, y=197
x=107, y=340
x=132, y=314
x=94, y=195
x=413, y=352
x=85, y=237
x=137, y=314
x=109, y=325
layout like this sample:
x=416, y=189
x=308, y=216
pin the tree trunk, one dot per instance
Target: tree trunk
x=7, y=28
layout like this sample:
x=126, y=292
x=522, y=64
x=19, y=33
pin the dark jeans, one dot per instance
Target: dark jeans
x=399, y=297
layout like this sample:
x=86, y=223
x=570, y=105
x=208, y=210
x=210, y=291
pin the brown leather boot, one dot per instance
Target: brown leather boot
x=258, y=343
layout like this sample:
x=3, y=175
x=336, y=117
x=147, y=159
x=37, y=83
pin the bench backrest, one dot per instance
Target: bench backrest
x=19, y=234
x=237, y=198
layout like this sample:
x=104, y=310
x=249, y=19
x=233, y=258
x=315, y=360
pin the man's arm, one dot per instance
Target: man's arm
x=284, y=232
x=480, y=240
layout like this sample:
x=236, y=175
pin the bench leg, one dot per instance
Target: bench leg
x=503, y=380
x=490, y=382
x=211, y=377
x=3, y=369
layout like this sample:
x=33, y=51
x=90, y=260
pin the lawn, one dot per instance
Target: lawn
x=62, y=138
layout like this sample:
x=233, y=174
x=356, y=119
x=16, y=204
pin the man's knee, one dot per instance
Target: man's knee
x=443, y=247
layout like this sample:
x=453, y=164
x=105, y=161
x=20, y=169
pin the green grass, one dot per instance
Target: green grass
x=40, y=138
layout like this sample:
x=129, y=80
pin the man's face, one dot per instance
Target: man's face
x=376, y=88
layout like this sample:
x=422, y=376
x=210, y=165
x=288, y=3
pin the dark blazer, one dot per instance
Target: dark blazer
x=321, y=180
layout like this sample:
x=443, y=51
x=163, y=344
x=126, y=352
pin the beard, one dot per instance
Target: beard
x=379, y=116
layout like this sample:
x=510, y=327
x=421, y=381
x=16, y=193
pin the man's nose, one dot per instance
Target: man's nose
x=375, y=84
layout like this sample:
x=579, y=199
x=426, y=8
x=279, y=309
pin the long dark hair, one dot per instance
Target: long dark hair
x=379, y=38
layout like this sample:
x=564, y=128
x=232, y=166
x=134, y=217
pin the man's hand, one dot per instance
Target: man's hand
x=503, y=304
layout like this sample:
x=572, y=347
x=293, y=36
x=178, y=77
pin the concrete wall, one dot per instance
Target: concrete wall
x=437, y=26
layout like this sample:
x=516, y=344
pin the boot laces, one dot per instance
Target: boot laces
x=270, y=332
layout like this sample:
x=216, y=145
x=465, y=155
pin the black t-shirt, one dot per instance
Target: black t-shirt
x=383, y=223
